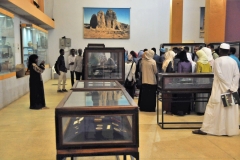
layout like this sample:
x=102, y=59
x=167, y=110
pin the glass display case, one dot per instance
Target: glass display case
x=180, y=94
x=184, y=82
x=105, y=120
x=104, y=63
x=98, y=85
x=7, y=54
x=34, y=41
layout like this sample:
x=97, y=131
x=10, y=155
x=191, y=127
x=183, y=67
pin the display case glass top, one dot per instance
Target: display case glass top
x=7, y=51
x=104, y=63
x=34, y=41
x=98, y=85
x=184, y=81
x=96, y=98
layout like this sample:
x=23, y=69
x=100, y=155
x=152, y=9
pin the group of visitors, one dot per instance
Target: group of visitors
x=75, y=63
x=218, y=120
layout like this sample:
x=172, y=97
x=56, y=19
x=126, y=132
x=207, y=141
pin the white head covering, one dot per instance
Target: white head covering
x=208, y=52
x=149, y=54
x=225, y=46
x=168, y=58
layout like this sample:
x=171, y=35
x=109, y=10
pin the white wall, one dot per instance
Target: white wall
x=149, y=23
x=191, y=20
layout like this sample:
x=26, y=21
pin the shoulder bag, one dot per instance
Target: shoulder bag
x=127, y=83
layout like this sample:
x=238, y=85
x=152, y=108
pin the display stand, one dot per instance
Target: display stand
x=176, y=83
x=93, y=121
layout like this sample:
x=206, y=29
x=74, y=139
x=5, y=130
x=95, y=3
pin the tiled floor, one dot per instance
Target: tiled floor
x=30, y=135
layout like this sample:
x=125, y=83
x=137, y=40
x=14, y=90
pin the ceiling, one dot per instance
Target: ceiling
x=15, y=9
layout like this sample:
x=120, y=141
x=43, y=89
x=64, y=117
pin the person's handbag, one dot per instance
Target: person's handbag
x=127, y=83
x=139, y=80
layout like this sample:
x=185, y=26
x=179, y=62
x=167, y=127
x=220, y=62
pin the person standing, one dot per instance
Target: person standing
x=214, y=54
x=157, y=59
x=203, y=66
x=130, y=69
x=184, y=66
x=71, y=60
x=220, y=120
x=63, y=71
x=147, y=96
x=232, y=55
x=78, y=65
x=37, y=98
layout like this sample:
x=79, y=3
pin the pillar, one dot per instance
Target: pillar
x=176, y=20
x=215, y=20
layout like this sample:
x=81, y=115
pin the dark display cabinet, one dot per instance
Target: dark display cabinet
x=97, y=122
x=104, y=64
x=182, y=88
x=97, y=85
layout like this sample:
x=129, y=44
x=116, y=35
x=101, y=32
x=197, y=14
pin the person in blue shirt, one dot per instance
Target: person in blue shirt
x=232, y=55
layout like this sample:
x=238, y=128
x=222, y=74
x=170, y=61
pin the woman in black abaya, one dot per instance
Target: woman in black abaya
x=37, y=99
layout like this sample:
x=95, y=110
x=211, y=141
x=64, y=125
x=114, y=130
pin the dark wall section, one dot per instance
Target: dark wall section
x=232, y=32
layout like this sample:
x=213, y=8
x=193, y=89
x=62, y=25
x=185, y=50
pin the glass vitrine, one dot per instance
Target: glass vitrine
x=97, y=119
x=34, y=41
x=185, y=82
x=7, y=54
x=104, y=63
x=98, y=85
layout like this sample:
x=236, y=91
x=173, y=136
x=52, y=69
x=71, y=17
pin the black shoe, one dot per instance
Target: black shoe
x=64, y=90
x=59, y=90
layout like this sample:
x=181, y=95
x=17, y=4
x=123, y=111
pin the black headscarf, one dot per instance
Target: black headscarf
x=32, y=59
x=183, y=56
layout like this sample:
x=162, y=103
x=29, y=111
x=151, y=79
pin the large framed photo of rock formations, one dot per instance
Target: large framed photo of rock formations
x=106, y=23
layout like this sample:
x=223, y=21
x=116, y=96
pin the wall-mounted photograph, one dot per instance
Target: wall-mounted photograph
x=106, y=23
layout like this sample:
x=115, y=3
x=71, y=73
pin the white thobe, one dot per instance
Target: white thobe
x=220, y=120
x=189, y=57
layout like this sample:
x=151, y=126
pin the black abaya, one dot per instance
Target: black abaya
x=147, y=98
x=37, y=99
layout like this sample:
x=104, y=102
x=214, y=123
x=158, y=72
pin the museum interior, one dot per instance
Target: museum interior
x=97, y=118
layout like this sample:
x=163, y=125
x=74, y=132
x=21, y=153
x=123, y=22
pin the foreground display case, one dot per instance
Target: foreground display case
x=34, y=41
x=7, y=56
x=182, y=89
x=104, y=64
x=97, y=122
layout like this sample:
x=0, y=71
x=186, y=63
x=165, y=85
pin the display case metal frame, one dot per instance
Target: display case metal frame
x=92, y=149
x=234, y=43
x=86, y=87
x=182, y=44
x=163, y=90
x=120, y=64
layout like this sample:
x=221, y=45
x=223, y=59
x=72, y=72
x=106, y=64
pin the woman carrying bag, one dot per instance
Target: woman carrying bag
x=130, y=69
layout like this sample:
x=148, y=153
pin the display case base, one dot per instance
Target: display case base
x=62, y=154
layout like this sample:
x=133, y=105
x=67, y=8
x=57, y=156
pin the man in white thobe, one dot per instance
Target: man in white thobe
x=220, y=120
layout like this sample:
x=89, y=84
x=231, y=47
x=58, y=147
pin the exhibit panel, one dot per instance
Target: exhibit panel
x=96, y=84
x=182, y=95
x=104, y=64
x=34, y=41
x=7, y=55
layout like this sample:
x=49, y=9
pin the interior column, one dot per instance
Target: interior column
x=176, y=20
x=215, y=20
